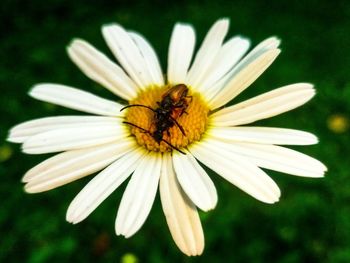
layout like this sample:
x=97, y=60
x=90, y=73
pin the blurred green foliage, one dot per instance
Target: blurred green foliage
x=311, y=222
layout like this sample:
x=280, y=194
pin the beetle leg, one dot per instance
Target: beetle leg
x=178, y=125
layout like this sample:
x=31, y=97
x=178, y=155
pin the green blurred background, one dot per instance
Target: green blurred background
x=311, y=222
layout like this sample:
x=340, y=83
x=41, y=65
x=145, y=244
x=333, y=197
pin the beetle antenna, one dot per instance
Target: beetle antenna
x=137, y=105
x=131, y=124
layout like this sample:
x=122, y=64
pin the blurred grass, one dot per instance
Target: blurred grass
x=310, y=223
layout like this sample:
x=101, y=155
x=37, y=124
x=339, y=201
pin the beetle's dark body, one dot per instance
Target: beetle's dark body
x=173, y=104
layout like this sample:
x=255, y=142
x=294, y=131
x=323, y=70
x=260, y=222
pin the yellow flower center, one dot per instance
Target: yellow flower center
x=173, y=117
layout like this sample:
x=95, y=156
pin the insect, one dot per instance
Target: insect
x=173, y=104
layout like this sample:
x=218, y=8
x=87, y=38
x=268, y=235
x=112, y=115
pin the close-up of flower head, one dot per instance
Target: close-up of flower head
x=167, y=129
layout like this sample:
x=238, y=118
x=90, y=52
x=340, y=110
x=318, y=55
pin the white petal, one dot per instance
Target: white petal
x=243, y=78
x=230, y=53
x=23, y=131
x=180, y=52
x=195, y=181
x=101, y=69
x=278, y=158
x=101, y=186
x=266, y=45
x=69, y=166
x=128, y=54
x=263, y=135
x=207, y=52
x=265, y=106
x=139, y=196
x=181, y=214
x=74, y=138
x=150, y=58
x=75, y=99
x=237, y=170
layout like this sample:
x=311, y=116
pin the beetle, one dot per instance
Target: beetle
x=173, y=104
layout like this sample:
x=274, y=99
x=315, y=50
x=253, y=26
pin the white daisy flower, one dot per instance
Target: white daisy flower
x=171, y=123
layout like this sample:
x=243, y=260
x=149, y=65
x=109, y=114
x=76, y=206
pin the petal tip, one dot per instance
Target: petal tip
x=224, y=20
x=26, y=177
x=277, y=51
x=277, y=41
x=183, y=25
x=109, y=25
x=106, y=28
x=37, y=89
x=313, y=139
x=272, y=42
x=272, y=201
x=119, y=231
x=32, y=91
x=11, y=138
x=25, y=148
x=70, y=218
x=75, y=41
x=28, y=188
x=246, y=41
x=71, y=221
x=73, y=214
x=307, y=85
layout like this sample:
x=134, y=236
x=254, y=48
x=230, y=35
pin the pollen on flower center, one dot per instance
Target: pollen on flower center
x=193, y=120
